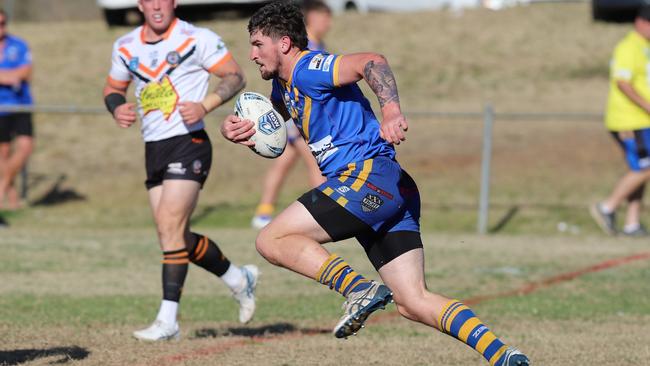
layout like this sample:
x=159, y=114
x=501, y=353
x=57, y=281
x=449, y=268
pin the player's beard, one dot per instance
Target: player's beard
x=268, y=75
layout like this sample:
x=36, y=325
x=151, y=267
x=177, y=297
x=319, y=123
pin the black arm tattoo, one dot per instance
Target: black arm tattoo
x=229, y=85
x=381, y=80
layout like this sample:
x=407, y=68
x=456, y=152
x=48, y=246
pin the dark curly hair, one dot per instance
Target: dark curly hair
x=278, y=19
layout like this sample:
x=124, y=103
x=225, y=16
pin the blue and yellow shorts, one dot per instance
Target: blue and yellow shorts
x=636, y=146
x=375, y=201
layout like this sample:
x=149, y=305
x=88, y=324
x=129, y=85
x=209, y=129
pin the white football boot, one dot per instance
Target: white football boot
x=246, y=295
x=260, y=221
x=159, y=331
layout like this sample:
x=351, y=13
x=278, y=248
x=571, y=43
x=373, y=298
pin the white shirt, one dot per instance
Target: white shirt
x=172, y=70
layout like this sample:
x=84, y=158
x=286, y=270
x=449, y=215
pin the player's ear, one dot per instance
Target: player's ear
x=285, y=44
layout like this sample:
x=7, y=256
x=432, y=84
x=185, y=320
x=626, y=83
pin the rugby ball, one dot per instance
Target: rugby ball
x=270, y=136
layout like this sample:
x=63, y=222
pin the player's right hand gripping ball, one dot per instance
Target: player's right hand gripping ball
x=270, y=136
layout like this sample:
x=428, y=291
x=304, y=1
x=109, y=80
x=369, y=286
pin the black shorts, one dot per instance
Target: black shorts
x=186, y=157
x=15, y=124
x=340, y=224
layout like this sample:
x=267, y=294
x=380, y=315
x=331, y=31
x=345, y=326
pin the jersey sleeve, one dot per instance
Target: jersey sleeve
x=25, y=58
x=623, y=62
x=319, y=75
x=212, y=51
x=119, y=71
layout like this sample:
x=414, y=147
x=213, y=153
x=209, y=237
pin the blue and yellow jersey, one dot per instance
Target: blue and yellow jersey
x=336, y=121
x=630, y=63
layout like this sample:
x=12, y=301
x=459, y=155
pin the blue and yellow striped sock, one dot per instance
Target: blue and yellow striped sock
x=460, y=322
x=338, y=276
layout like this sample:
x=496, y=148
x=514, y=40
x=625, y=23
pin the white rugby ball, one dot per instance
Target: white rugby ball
x=270, y=136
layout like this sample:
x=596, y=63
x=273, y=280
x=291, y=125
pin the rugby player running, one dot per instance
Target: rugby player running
x=367, y=194
x=170, y=61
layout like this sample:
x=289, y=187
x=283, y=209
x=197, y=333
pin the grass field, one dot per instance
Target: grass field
x=79, y=269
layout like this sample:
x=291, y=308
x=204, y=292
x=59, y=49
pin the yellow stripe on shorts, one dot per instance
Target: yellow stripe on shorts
x=363, y=175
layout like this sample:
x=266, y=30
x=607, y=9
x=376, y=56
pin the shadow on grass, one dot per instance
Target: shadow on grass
x=57, y=195
x=64, y=355
x=263, y=331
x=504, y=220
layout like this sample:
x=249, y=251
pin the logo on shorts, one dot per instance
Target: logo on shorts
x=269, y=123
x=173, y=58
x=343, y=190
x=196, y=166
x=176, y=168
x=379, y=190
x=371, y=203
x=134, y=63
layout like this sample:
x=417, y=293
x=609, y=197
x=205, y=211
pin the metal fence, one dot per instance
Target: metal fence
x=488, y=115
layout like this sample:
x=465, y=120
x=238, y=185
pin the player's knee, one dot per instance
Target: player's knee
x=169, y=229
x=405, y=310
x=264, y=245
x=413, y=307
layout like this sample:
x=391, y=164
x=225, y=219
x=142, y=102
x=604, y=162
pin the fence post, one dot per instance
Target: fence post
x=486, y=158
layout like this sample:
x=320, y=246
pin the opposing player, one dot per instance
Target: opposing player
x=170, y=62
x=367, y=194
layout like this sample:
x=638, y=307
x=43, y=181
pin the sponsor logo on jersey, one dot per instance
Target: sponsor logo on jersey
x=323, y=149
x=176, y=168
x=316, y=62
x=173, y=58
x=371, y=203
x=328, y=63
x=269, y=123
x=134, y=63
x=160, y=96
x=154, y=58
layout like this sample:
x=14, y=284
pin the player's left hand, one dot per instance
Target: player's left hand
x=238, y=130
x=393, y=127
x=191, y=112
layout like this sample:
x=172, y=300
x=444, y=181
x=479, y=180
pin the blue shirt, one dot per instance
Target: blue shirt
x=13, y=55
x=336, y=121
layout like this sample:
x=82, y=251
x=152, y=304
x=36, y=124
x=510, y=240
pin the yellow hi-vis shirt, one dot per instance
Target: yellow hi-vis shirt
x=631, y=63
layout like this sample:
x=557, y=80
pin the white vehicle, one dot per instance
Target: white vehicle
x=123, y=12
x=364, y=6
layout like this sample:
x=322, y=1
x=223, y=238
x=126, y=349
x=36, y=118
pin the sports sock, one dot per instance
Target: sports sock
x=605, y=209
x=174, y=271
x=234, y=277
x=264, y=209
x=167, y=312
x=460, y=322
x=628, y=228
x=206, y=254
x=338, y=276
